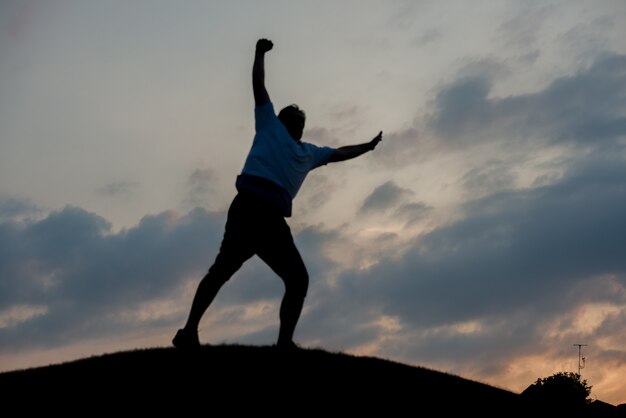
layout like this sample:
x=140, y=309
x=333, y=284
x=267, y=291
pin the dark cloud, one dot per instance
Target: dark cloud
x=488, y=178
x=462, y=108
x=385, y=196
x=14, y=208
x=484, y=68
x=518, y=260
x=413, y=212
x=318, y=190
x=200, y=187
x=389, y=196
x=586, y=40
x=72, y=264
x=587, y=108
x=336, y=319
x=122, y=189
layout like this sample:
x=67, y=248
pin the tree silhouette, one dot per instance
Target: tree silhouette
x=564, y=391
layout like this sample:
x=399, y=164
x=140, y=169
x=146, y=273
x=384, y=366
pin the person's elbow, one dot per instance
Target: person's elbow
x=337, y=155
x=334, y=156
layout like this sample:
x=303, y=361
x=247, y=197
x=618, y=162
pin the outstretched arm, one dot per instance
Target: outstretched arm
x=258, y=72
x=353, y=151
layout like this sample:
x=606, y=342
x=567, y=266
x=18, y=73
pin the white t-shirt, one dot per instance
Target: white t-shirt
x=276, y=156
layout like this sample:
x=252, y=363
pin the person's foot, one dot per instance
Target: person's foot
x=185, y=340
x=289, y=346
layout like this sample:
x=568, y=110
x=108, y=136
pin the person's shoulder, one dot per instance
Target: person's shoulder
x=266, y=107
x=310, y=145
x=264, y=115
x=317, y=151
x=317, y=155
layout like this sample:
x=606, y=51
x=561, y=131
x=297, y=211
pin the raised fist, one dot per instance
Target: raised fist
x=264, y=45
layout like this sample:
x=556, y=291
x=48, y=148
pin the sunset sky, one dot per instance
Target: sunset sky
x=484, y=237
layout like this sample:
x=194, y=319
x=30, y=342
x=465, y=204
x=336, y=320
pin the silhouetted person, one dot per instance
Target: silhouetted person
x=273, y=172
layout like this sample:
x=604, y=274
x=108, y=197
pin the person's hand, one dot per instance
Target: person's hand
x=376, y=140
x=264, y=45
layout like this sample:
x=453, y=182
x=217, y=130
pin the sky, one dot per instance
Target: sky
x=484, y=237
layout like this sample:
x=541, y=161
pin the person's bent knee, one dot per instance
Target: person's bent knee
x=298, y=285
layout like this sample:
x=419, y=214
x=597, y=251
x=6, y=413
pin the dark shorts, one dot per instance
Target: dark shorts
x=256, y=227
x=253, y=223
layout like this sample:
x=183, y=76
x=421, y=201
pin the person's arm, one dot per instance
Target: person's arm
x=353, y=151
x=261, y=96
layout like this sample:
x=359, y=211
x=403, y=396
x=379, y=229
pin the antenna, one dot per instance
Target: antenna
x=581, y=359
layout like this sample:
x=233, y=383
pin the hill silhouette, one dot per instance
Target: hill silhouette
x=254, y=379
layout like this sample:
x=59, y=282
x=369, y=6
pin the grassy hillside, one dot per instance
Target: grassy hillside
x=240, y=380
x=245, y=379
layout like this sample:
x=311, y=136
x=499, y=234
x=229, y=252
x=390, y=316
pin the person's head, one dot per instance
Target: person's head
x=293, y=118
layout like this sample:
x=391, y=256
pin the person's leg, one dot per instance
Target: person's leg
x=283, y=257
x=234, y=251
x=224, y=267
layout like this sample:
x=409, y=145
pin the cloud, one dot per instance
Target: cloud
x=71, y=265
x=413, y=212
x=488, y=178
x=389, y=196
x=346, y=113
x=321, y=137
x=122, y=189
x=487, y=68
x=587, y=40
x=428, y=37
x=526, y=245
x=383, y=197
x=14, y=208
x=462, y=108
x=507, y=280
x=343, y=120
x=587, y=108
x=319, y=189
x=524, y=29
x=399, y=148
x=67, y=277
x=201, y=187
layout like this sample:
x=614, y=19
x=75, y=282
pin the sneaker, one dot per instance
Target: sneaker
x=185, y=340
x=288, y=347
